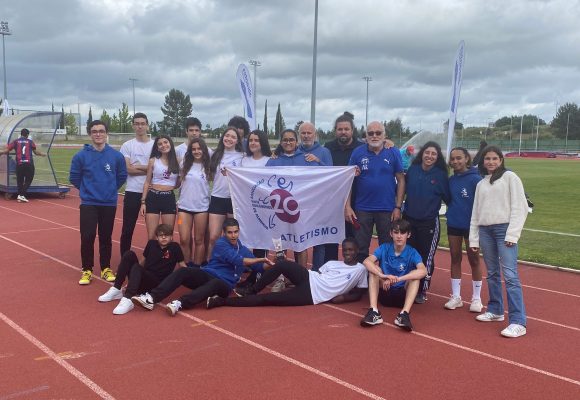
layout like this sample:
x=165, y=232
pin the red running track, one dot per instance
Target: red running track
x=59, y=342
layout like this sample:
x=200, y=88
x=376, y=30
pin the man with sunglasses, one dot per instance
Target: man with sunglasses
x=379, y=188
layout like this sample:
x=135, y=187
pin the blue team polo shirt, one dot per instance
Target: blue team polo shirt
x=376, y=187
x=400, y=265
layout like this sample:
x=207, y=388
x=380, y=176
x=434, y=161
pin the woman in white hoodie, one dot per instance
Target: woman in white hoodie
x=499, y=212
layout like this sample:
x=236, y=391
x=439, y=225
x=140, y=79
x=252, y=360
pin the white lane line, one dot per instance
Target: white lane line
x=76, y=208
x=30, y=231
x=526, y=286
x=59, y=360
x=527, y=316
x=25, y=392
x=472, y=350
x=284, y=357
x=237, y=337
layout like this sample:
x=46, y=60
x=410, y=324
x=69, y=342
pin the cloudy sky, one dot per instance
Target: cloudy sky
x=521, y=56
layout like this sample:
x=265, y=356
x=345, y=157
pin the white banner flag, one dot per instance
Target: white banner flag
x=301, y=206
x=247, y=93
x=455, y=91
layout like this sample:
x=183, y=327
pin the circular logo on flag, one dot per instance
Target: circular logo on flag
x=284, y=205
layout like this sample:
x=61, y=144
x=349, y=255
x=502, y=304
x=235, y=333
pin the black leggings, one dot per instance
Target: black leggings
x=24, y=177
x=203, y=285
x=300, y=295
x=140, y=279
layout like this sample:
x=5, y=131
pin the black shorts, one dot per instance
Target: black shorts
x=451, y=231
x=394, y=297
x=181, y=210
x=221, y=206
x=160, y=202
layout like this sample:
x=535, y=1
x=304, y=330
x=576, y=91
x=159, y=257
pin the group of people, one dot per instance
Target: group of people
x=486, y=208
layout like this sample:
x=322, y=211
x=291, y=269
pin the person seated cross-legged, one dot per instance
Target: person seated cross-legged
x=395, y=281
x=337, y=281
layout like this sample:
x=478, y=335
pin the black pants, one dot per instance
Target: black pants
x=425, y=239
x=93, y=217
x=131, y=207
x=24, y=177
x=203, y=285
x=140, y=279
x=300, y=295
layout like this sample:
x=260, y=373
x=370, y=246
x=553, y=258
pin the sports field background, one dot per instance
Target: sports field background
x=552, y=184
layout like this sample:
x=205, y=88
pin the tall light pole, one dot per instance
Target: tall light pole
x=567, y=126
x=4, y=30
x=256, y=64
x=521, y=127
x=537, y=131
x=368, y=79
x=314, y=50
x=133, y=80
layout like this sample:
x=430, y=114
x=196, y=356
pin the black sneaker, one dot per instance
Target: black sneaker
x=372, y=318
x=215, y=301
x=244, y=291
x=403, y=320
x=421, y=298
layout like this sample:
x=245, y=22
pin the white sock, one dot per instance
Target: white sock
x=477, y=289
x=375, y=309
x=456, y=287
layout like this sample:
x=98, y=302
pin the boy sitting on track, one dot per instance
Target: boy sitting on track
x=395, y=281
x=159, y=259
x=336, y=280
x=228, y=260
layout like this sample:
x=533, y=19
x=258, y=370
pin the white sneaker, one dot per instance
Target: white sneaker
x=454, y=302
x=279, y=285
x=144, y=300
x=112, y=294
x=489, y=317
x=173, y=307
x=124, y=306
x=476, y=305
x=514, y=330
x=21, y=199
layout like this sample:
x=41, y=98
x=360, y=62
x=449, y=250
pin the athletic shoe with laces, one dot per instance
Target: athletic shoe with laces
x=279, y=285
x=108, y=274
x=372, y=318
x=86, y=277
x=453, y=303
x=124, y=306
x=112, y=294
x=476, y=305
x=403, y=320
x=215, y=301
x=22, y=199
x=514, y=331
x=244, y=291
x=420, y=298
x=489, y=317
x=173, y=307
x=143, y=300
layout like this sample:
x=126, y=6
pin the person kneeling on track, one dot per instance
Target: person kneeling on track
x=227, y=263
x=395, y=281
x=337, y=281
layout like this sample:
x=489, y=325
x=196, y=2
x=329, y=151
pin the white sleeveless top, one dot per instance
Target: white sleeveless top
x=194, y=193
x=161, y=174
x=220, y=182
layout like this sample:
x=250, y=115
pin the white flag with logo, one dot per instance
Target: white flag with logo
x=455, y=92
x=301, y=206
x=247, y=93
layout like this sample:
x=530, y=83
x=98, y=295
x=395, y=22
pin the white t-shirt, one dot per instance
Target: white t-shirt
x=249, y=161
x=138, y=154
x=194, y=193
x=335, y=278
x=182, y=148
x=220, y=182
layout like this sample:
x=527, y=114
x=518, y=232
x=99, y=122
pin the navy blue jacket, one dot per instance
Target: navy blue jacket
x=424, y=192
x=98, y=175
x=462, y=188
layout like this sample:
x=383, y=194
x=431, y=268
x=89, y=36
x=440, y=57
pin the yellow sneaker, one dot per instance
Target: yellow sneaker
x=108, y=275
x=86, y=277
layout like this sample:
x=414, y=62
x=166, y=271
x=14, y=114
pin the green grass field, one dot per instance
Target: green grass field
x=553, y=185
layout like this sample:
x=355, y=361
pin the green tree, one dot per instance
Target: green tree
x=61, y=123
x=106, y=118
x=71, y=125
x=90, y=118
x=266, y=117
x=125, y=119
x=567, y=121
x=115, y=125
x=153, y=129
x=279, y=125
x=176, y=109
x=297, y=126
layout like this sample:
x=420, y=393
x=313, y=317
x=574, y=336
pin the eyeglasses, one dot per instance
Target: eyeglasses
x=374, y=133
x=100, y=132
x=288, y=140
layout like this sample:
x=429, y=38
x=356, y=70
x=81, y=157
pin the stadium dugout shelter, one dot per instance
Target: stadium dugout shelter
x=42, y=127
